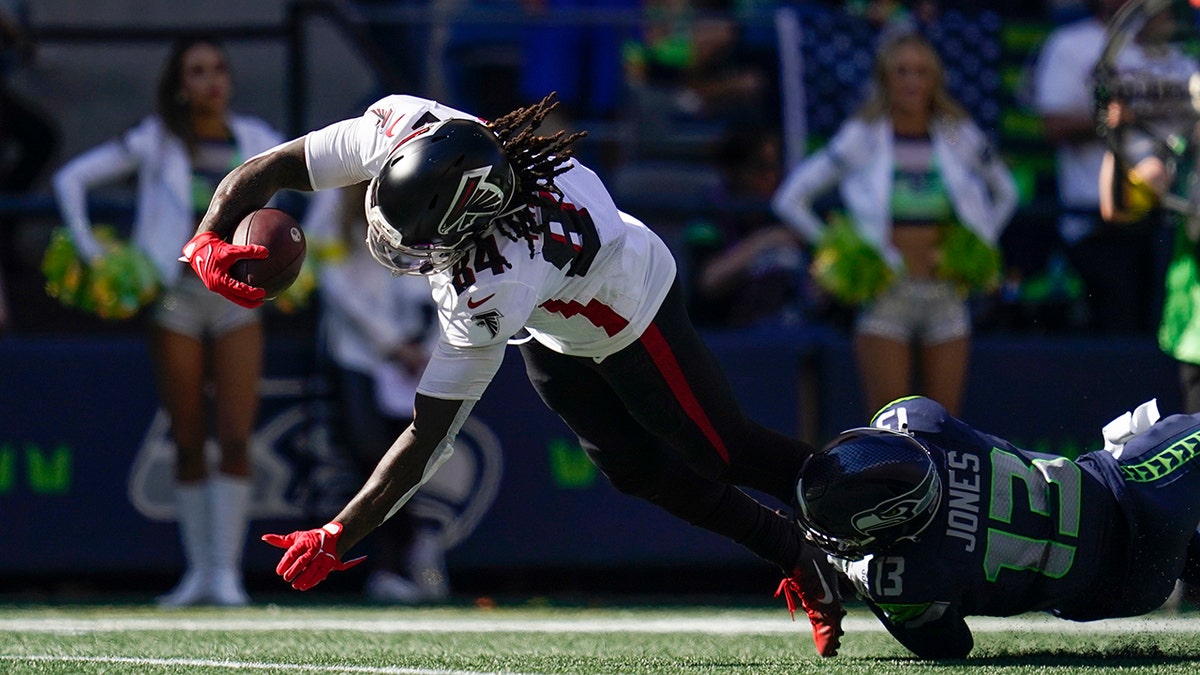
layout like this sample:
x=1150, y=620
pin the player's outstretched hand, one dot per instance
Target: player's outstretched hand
x=310, y=556
x=212, y=257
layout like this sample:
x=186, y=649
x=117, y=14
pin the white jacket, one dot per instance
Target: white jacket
x=164, y=217
x=860, y=157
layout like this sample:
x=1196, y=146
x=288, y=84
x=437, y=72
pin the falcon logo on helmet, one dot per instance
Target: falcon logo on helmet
x=439, y=191
x=476, y=198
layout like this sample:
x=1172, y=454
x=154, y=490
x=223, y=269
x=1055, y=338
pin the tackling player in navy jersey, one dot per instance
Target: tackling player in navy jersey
x=933, y=521
x=515, y=235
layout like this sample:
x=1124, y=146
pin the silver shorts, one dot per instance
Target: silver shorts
x=928, y=312
x=188, y=307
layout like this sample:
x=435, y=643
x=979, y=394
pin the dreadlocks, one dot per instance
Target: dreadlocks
x=536, y=160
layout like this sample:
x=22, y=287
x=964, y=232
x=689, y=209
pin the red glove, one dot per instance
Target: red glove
x=212, y=257
x=311, y=555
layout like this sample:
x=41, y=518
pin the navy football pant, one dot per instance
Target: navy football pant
x=660, y=420
x=1161, y=471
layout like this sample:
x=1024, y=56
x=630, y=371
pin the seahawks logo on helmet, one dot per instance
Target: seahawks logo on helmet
x=899, y=509
x=475, y=198
x=867, y=490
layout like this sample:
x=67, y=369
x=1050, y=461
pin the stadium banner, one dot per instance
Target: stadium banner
x=86, y=459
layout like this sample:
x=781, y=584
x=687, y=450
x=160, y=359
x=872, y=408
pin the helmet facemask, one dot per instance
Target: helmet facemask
x=387, y=246
x=440, y=191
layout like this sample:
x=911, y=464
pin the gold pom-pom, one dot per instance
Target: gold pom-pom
x=122, y=282
x=847, y=267
x=973, y=265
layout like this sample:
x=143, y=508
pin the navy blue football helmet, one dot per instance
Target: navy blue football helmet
x=867, y=490
x=439, y=191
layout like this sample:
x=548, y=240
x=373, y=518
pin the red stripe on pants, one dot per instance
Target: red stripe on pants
x=664, y=359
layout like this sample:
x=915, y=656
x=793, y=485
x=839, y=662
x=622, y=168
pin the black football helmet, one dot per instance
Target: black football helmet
x=867, y=490
x=439, y=190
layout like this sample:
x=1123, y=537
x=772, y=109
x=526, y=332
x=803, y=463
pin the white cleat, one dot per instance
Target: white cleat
x=193, y=589
x=427, y=564
x=389, y=587
x=227, y=589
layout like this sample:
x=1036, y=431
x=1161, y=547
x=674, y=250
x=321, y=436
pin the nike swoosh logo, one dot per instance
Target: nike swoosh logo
x=200, y=257
x=826, y=593
x=472, y=304
x=391, y=131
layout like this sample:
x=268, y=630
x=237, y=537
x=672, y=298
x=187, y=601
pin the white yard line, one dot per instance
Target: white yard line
x=235, y=665
x=716, y=624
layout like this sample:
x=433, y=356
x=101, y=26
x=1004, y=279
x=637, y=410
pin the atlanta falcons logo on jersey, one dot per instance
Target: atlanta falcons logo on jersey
x=489, y=320
x=475, y=197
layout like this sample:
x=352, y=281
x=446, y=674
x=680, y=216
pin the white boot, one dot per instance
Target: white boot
x=1174, y=601
x=389, y=587
x=427, y=565
x=191, y=511
x=229, y=509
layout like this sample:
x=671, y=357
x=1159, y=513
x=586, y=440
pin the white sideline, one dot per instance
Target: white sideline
x=717, y=623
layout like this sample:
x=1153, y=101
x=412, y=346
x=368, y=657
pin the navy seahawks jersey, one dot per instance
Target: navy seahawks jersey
x=1017, y=531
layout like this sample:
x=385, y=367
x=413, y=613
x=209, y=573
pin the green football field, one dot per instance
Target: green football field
x=540, y=637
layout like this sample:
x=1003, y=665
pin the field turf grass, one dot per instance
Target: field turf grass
x=535, y=637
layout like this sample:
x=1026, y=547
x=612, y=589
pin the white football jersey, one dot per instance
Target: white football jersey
x=593, y=284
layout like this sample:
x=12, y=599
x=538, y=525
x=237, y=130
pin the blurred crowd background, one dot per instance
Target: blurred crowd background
x=696, y=111
x=657, y=83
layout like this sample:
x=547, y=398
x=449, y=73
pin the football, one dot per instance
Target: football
x=285, y=244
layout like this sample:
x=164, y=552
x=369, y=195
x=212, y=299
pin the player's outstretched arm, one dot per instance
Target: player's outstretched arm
x=311, y=555
x=403, y=469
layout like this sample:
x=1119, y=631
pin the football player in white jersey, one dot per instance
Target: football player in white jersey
x=515, y=235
